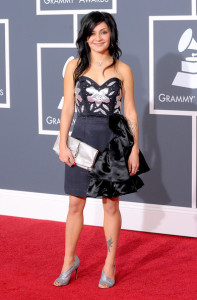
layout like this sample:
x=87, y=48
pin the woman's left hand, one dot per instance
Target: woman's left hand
x=133, y=162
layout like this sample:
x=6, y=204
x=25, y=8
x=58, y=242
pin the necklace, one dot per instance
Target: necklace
x=99, y=63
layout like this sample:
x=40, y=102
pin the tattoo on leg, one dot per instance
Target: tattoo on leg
x=109, y=244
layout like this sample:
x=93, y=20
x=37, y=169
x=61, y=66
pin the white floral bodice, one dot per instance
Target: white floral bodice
x=94, y=99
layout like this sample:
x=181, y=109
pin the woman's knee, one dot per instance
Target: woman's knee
x=111, y=206
x=76, y=204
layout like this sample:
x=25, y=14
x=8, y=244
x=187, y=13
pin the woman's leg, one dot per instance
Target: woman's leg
x=112, y=226
x=74, y=225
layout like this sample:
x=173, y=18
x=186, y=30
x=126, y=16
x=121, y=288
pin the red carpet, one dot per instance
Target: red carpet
x=149, y=266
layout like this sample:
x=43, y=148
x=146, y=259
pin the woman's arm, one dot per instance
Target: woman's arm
x=67, y=113
x=131, y=116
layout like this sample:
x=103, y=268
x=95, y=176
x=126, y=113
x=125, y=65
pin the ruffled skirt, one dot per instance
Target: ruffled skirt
x=110, y=174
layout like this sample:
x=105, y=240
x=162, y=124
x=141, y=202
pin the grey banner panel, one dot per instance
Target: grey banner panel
x=168, y=149
x=2, y=64
x=27, y=162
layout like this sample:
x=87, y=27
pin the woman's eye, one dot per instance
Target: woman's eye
x=103, y=32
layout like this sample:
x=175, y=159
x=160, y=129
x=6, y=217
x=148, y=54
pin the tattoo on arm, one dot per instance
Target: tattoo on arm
x=132, y=126
x=109, y=244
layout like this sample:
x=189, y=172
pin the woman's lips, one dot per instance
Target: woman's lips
x=98, y=44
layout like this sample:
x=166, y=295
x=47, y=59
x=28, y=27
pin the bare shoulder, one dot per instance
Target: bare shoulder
x=124, y=70
x=69, y=71
x=72, y=64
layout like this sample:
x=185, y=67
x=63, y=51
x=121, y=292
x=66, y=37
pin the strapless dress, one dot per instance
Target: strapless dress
x=99, y=123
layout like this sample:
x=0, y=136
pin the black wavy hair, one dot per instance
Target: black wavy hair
x=88, y=23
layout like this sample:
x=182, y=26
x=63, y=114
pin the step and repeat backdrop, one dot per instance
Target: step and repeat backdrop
x=159, y=42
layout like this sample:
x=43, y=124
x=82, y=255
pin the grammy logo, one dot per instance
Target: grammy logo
x=188, y=76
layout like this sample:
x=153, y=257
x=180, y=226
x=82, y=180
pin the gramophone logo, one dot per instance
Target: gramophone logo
x=187, y=77
x=62, y=99
x=63, y=72
x=52, y=119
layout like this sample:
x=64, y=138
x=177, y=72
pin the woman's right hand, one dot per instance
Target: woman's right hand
x=65, y=155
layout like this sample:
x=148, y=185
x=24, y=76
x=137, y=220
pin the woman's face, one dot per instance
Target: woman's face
x=99, y=40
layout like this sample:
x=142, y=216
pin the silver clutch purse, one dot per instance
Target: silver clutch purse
x=84, y=154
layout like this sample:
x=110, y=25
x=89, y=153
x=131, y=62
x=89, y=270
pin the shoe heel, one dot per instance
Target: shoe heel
x=76, y=274
x=64, y=277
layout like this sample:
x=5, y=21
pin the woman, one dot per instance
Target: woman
x=96, y=82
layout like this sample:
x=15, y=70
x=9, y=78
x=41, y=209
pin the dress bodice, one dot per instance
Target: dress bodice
x=94, y=99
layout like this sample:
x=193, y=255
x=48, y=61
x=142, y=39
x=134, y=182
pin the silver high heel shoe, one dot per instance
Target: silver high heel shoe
x=106, y=280
x=64, y=277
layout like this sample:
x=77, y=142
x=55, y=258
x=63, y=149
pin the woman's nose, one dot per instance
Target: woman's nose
x=98, y=36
